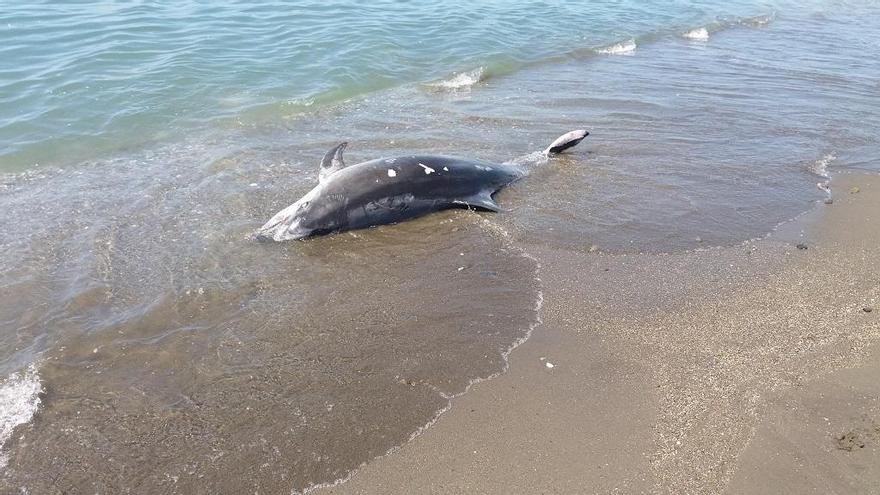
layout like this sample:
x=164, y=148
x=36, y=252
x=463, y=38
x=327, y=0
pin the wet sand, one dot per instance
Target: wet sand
x=746, y=369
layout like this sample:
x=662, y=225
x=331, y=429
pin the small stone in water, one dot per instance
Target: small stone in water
x=829, y=201
x=801, y=246
x=867, y=309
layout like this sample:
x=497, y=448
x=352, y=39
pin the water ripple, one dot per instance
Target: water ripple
x=68, y=71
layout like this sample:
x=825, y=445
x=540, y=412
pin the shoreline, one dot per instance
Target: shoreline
x=671, y=372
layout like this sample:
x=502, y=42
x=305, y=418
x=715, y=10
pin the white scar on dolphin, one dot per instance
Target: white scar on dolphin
x=369, y=193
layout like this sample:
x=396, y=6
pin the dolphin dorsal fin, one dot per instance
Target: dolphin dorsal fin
x=332, y=162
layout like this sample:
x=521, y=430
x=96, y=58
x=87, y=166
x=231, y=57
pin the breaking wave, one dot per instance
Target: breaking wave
x=622, y=48
x=460, y=81
x=699, y=34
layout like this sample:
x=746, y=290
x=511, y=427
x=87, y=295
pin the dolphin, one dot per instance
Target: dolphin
x=390, y=190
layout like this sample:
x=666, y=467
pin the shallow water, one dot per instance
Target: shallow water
x=175, y=352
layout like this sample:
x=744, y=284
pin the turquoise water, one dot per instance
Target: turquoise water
x=81, y=78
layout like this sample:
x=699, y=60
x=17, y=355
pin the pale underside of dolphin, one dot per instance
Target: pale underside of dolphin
x=389, y=190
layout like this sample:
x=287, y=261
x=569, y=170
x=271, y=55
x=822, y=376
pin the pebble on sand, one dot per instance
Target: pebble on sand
x=854, y=190
x=801, y=246
x=867, y=309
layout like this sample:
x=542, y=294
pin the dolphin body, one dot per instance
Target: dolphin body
x=389, y=190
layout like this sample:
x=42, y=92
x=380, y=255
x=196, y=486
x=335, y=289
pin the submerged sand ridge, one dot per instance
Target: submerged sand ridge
x=699, y=372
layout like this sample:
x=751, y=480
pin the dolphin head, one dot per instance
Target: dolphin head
x=314, y=214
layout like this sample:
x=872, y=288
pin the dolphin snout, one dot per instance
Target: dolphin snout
x=285, y=229
x=272, y=230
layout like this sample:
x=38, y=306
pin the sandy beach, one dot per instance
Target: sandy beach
x=746, y=369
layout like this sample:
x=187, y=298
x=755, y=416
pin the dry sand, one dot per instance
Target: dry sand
x=746, y=369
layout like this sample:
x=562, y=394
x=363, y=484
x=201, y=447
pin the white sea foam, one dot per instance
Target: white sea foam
x=300, y=102
x=535, y=158
x=19, y=401
x=622, y=48
x=699, y=34
x=460, y=81
x=820, y=168
x=758, y=21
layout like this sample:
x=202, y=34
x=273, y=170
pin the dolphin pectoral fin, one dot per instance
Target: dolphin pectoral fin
x=481, y=202
x=332, y=162
x=566, y=141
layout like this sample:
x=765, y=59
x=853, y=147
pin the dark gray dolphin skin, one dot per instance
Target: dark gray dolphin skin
x=389, y=190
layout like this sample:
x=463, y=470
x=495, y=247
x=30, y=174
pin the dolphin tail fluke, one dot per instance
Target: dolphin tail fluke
x=566, y=141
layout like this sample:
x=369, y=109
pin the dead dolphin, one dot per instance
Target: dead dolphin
x=389, y=190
